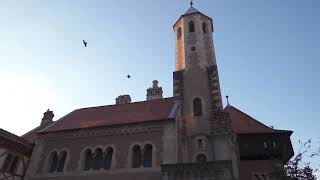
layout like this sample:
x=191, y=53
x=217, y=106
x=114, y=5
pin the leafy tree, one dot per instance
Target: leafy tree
x=297, y=168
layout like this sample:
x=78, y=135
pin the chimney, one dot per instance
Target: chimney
x=47, y=118
x=154, y=92
x=123, y=99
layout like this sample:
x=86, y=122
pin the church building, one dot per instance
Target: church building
x=189, y=136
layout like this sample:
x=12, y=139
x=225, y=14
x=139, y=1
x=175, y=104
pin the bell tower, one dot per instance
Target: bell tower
x=204, y=131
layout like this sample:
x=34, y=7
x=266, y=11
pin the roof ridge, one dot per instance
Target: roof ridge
x=112, y=105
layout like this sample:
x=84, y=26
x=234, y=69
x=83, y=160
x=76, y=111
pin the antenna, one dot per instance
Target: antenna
x=228, y=104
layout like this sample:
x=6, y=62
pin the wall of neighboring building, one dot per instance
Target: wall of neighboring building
x=9, y=168
x=161, y=135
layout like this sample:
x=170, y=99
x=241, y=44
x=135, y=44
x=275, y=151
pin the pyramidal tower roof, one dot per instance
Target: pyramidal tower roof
x=191, y=10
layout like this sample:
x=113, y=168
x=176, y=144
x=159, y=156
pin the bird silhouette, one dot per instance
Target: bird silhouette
x=128, y=76
x=84, y=43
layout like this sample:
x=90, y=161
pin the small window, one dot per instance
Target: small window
x=204, y=27
x=108, y=158
x=274, y=145
x=147, y=156
x=191, y=26
x=201, y=158
x=137, y=156
x=193, y=48
x=53, y=161
x=88, y=160
x=62, y=161
x=97, y=159
x=179, y=33
x=197, y=107
x=200, y=143
x=265, y=145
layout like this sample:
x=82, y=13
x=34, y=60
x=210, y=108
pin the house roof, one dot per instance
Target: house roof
x=15, y=143
x=32, y=135
x=13, y=137
x=242, y=123
x=145, y=111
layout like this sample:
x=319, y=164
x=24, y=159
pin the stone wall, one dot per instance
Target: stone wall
x=121, y=138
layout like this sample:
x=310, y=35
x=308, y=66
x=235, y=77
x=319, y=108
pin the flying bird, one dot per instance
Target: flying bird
x=128, y=76
x=84, y=43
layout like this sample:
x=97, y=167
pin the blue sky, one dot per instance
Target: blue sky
x=268, y=53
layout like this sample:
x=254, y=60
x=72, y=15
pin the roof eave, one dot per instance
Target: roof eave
x=275, y=132
x=109, y=125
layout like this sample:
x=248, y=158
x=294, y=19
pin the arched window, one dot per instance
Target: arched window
x=62, y=160
x=7, y=162
x=191, y=26
x=98, y=159
x=88, y=160
x=197, y=107
x=204, y=27
x=108, y=158
x=137, y=156
x=57, y=161
x=53, y=161
x=147, y=156
x=179, y=33
x=201, y=158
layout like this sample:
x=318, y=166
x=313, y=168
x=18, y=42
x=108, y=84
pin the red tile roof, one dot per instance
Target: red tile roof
x=241, y=123
x=153, y=110
x=32, y=135
x=12, y=137
x=15, y=143
x=114, y=115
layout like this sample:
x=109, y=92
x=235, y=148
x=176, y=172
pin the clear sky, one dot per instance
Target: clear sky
x=268, y=53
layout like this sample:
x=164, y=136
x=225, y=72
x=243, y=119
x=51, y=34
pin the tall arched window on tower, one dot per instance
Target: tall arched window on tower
x=191, y=26
x=204, y=27
x=197, y=107
x=147, y=156
x=179, y=33
x=136, y=156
